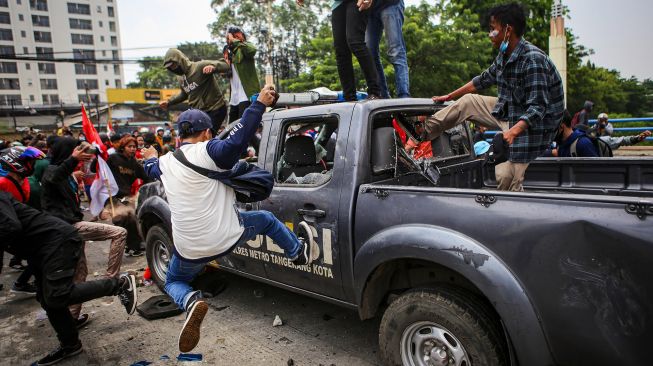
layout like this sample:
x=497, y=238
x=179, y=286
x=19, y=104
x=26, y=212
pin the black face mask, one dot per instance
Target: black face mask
x=558, y=136
x=177, y=70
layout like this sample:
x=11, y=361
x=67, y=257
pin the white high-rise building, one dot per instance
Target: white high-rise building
x=83, y=30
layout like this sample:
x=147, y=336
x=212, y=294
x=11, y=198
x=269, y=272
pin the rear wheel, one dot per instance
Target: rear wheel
x=158, y=252
x=441, y=327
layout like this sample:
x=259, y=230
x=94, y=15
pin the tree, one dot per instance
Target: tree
x=293, y=26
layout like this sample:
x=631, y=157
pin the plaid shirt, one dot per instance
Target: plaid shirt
x=530, y=89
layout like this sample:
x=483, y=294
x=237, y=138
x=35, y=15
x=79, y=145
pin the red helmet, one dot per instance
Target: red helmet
x=20, y=159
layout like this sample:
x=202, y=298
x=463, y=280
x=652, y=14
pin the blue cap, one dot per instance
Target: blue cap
x=481, y=147
x=198, y=120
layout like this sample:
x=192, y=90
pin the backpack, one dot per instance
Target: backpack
x=251, y=183
x=574, y=119
x=605, y=151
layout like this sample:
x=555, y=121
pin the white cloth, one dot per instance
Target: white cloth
x=99, y=190
x=204, y=219
x=237, y=91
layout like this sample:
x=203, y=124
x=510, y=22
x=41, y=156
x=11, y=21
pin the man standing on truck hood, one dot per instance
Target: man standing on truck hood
x=530, y=99
x=205, y=221
x=198, y=85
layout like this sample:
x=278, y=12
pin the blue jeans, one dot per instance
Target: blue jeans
x=390, y=19
x=181, y=272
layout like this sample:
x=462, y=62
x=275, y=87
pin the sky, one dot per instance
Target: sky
x=618, y=32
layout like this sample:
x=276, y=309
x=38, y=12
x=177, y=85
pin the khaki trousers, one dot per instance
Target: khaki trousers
x=98, y=231
x=478, y=108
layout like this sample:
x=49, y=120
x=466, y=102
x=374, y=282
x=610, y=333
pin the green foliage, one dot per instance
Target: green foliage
x=153, y=75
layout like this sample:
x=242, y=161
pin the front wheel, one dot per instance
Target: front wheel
x=441, y=327
x=159, y=252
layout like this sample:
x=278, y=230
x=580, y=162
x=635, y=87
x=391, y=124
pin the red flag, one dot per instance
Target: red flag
x=91, y=134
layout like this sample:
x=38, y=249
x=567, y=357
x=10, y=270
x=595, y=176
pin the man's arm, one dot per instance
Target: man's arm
x=248, y=49
x=151, y=163
x=11, y=225
x=177, y=98
x=213, y=66
x=225, y=153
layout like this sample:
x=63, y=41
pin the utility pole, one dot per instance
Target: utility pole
x=13, y=113
x=269, y=75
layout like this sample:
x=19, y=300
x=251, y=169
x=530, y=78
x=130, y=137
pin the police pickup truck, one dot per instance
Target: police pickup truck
x=461, y=273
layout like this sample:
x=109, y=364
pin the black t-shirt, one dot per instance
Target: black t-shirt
x=125, y=171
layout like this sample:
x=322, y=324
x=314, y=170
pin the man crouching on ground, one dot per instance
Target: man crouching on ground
x=205, y=221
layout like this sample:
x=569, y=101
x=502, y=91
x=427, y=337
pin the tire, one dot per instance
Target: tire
x=158, y=252
x=438, y=326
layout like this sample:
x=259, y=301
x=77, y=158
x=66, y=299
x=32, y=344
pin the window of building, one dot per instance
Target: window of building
x=118, y=84
x=50, y=99
x=80, y=54
x=106, y=68
x=21, y=17
x=106, y=82
x=6, y=35
x=40, y=20
x=99, y=9
x=81, y=38
x=85, y=69
x=307, y=158
x=46, y=68
x=116, y=69
x=8, y=99
x=18, y=2
x=114, y=41
x=23, y=34
x=110, y=11
x=5, y=18
x=48, y=83
x=100, y=23
x=38, y=5
x=74, y=8
x=94, y=98
x=45, y=53
x=42, y=37
x=28, y=66
x=114, y=54
x=4, y=3
x=7, y=51
x=31, y=98
x=25, y=50
x=87, y=83
x=8, y=68
x=9, y=84
x=80, y=23
x=101, y=38
x=112, y=26
x=104, y=53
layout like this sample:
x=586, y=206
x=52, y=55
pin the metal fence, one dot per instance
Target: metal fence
x=615, y=122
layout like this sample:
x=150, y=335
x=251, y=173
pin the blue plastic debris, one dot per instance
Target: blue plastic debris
x=189, y=357
x=164, y=357
x=141, y=363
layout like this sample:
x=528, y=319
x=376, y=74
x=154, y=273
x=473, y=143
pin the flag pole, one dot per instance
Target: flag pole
x=113, y=213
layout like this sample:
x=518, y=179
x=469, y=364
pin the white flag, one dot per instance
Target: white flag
x=99, y=190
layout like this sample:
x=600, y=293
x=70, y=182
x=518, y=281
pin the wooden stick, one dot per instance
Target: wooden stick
x=113, y=213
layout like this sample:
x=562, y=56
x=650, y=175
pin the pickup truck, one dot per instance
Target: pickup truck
x=461, y=273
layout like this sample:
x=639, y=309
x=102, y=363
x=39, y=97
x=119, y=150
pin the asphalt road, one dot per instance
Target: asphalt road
x=237, y=330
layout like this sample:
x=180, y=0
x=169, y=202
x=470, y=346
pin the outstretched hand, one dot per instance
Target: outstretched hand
x=149, y=152
x=268, y=96
x=79, y=153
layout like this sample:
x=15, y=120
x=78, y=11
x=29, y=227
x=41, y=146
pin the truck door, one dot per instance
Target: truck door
x=302, y=154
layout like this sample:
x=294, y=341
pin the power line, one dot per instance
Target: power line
x=96, y=50
x=78, y=61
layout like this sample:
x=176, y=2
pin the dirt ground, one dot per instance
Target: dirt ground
x=237, y=330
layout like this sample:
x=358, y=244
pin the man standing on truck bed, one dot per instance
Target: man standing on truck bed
x=530, y=99
x=198, y=85
x=205, y=221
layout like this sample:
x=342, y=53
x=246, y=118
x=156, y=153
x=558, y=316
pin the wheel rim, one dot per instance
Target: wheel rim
x=430, y=344
x=161, y=258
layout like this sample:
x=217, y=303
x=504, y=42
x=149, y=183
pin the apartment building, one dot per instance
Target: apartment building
x=83, y=30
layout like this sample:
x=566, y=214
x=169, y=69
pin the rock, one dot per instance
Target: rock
x=259, y=294
x=277, y=321
x=291, y=362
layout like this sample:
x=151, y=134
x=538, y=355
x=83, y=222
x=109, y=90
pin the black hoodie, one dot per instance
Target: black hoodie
x=60, y=197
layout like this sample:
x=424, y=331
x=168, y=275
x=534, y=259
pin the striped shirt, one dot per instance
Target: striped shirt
x=529, y=89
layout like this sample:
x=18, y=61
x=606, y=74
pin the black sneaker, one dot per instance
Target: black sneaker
x=190, y=332
x=59, y=354
x=82, y=321
x=127, y=294
x=27, y=288
x=305, y=236
x=135, y=253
